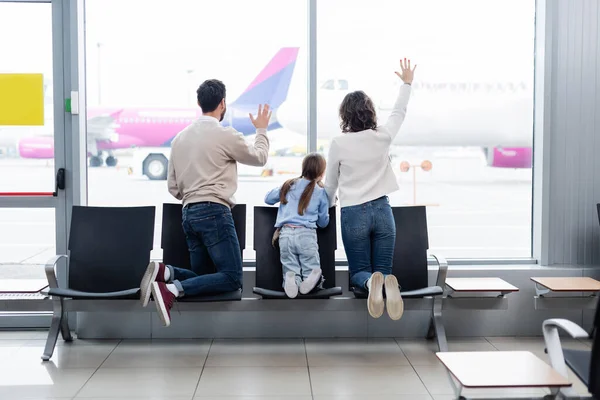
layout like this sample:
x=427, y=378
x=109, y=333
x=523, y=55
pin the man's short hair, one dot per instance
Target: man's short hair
x=210, y=94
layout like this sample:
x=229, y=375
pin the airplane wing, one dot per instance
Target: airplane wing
x=103, y=127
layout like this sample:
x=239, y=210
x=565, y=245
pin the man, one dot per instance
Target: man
x=203, y=174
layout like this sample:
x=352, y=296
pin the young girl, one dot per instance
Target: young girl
x=304, y=206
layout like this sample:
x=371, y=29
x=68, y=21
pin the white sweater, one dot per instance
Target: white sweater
x=359, y=162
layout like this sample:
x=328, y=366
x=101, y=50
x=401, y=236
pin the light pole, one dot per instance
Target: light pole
x=406, y=166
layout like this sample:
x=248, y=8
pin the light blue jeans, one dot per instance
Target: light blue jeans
x=299, y=252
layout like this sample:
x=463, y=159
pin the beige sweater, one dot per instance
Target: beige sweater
x=203, y=161
x=359, y=162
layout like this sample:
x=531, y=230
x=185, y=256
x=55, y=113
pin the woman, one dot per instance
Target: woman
x=359, y=165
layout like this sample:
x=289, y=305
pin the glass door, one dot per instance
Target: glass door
x=32, y=151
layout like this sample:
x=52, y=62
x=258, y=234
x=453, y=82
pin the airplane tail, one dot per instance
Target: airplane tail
x=271, y=85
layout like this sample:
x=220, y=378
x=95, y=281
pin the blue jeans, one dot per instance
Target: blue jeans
x=369, y=236
x=299, y=252
x=210, y=234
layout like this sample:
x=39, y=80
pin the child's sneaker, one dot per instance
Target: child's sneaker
x=290, y=286
x=311, y=281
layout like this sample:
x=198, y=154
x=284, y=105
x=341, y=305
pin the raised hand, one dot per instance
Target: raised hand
x=407, y=74
x=262, y=117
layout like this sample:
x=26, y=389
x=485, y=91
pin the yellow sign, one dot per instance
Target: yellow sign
x=21, y=99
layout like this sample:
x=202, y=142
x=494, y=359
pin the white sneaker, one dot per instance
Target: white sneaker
x=395, y=305
x=375, y=301
x=290, y=287
x=309, y=283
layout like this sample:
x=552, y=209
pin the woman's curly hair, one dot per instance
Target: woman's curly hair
x=357, y=112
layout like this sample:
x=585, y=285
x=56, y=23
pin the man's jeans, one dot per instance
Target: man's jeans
x=299, y=251
x=210, y=234
x=369, y=236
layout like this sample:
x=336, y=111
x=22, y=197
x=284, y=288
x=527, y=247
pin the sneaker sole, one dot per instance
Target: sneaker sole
x=163, y=313
x=147, y=280
x=308, y=285
x=395, y=304
x=375, y=301
x=291, y=290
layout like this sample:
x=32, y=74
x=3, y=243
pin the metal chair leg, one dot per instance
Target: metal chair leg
x=64, y=328
x=431, y=329
x=55, y=327
x=440, y=331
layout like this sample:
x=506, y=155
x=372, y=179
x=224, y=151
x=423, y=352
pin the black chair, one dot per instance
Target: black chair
x=176, y=252
x=109, y=250
x=410, y=266
x=410, y=256
x=269, y=276
x=584, y=363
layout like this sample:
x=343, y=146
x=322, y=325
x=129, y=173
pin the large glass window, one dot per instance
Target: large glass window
x=470, y=116
x=471, y=112
x=145, y=59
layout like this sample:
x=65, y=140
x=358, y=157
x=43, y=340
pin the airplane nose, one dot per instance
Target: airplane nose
x=291, y=120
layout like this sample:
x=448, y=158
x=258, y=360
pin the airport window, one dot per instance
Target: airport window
x=470, y=112
x=478, y=195
x=163, y=72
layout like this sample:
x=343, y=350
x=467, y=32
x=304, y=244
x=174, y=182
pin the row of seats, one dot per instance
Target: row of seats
x=108, y=260
x=109, y=250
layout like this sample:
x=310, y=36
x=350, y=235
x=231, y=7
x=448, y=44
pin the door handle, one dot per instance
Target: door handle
x=60, y=181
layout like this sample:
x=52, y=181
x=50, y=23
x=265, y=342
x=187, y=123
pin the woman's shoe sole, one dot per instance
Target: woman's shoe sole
x=375, y=303
x=395, y=304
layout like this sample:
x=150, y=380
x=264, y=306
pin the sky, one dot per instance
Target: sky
x=156, y=52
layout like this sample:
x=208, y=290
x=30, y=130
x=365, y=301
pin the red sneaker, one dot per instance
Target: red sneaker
x=154, y=273
x=164, y=300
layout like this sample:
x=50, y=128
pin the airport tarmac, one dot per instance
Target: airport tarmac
x=474, y=211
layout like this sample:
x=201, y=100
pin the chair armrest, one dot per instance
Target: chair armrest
x=570, y=327
x=552, y=341
x=442, y=270
x=49, y=268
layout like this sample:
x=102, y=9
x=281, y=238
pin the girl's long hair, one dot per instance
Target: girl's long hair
x=313, y=167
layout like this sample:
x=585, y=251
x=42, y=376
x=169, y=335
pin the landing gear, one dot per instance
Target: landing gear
x=111, y=161
x=155, y=167
x=96, y=161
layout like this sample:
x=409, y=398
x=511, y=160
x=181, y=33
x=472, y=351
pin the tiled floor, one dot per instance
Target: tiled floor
x=321, y=369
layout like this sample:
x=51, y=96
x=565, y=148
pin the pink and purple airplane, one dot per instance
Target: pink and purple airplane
x=109, y=129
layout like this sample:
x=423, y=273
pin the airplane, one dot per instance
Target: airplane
x=110, y=129
x=495, y=116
